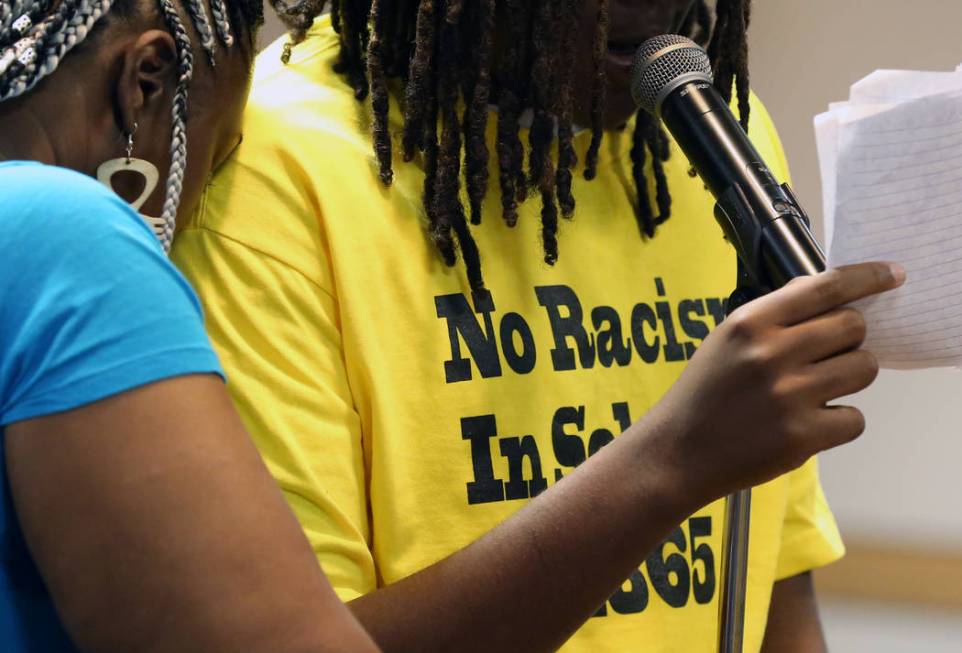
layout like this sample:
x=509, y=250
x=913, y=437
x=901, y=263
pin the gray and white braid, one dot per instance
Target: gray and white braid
x=178, y=144
x=198, y=12
x=41, y=50
x=33, y=43
x=222, y=22
x=11, y=11
x=185, y=61
x=76, y=29
x=8, y=13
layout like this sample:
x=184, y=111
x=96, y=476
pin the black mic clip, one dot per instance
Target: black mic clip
x=743, y=229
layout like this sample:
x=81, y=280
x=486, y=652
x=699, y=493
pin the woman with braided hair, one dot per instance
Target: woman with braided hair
x=135, y=514
x=490, y=374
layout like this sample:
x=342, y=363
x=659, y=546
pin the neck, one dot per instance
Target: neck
x=27, y=137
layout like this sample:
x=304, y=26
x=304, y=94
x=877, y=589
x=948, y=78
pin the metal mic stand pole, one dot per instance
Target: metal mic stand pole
x=738, y=511
x=734, y=571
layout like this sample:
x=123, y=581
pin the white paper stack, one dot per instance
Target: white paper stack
x=891, y=166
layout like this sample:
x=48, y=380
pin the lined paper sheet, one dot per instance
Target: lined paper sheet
x=895, y=173
x=903, y=85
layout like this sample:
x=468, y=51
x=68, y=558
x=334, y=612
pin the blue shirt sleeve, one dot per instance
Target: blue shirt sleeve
x=89, y=305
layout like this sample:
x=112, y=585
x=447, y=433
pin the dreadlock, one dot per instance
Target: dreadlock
x=512, y=98
x=728, y=50
x=598, y=89
x=35, y=36
x=478, y=92
x=541, y=135
x=442, y=51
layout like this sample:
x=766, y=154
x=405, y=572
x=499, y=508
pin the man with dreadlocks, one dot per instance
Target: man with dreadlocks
x=448, y=435
x=134, y=510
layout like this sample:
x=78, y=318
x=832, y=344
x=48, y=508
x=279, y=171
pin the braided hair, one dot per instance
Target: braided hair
x=441, y=50
x=35, y=36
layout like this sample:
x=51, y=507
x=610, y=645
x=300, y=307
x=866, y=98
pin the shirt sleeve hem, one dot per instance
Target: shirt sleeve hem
x=120, y=378
x=815, y=551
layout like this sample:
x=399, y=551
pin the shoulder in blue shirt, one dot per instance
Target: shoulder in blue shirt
x=89, y=308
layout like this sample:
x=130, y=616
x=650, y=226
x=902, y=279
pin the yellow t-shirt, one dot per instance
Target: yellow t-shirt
x=402, y=421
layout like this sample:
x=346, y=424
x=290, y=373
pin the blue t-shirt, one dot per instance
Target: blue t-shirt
x=89, y=307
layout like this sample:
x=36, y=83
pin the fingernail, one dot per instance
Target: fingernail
x=898, y=273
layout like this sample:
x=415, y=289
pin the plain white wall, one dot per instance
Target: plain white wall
x=902, y=482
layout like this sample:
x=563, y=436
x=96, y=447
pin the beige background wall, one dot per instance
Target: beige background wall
x=902, y=482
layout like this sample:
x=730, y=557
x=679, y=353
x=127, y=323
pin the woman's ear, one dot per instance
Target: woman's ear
x=147, y=81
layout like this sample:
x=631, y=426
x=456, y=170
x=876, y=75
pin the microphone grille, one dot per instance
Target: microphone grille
x=662, y=64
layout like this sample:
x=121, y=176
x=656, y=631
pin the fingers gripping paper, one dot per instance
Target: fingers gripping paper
x=891, y=165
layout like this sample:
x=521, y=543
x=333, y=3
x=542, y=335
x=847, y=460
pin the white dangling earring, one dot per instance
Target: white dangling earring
x=148, y=170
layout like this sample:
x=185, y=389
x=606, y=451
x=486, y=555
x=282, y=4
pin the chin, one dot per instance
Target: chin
x=621, y=108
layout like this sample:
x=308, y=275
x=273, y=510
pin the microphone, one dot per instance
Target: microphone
x=672, y=80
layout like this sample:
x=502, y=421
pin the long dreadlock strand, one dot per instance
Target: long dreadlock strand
x=697, y=25
x=702, y=24
x=336, y=16
x=354, y=42
x=728, y=51
x=380, y=103
x=725, y=74
x=403, y=38
x=543, y=92
x=741, y=67
x=720, y=35
x=544, y=87
x=347, y=37
x=476, y=117
x=466, y=61
x=431, y=147
x=448, y=207
x=420, y=78
x=599, y=90
x=567, y=157
x=659, y=147
x=639, y=156
x=509, y=147
x=472, y=257
x=541, y=139
x=447, y=177
x=549, y=208
x=429, y=141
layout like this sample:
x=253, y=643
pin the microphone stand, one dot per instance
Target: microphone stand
x=791, y=253
x=738, y=512
x=734, y=571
